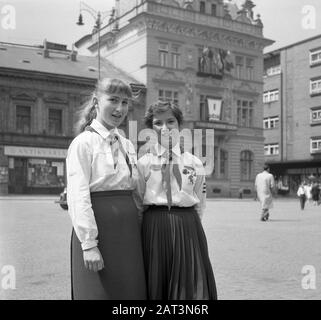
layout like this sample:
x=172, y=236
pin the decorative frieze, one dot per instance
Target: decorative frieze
x=200, y=33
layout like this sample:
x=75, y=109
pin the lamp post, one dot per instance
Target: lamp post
x=99, y=18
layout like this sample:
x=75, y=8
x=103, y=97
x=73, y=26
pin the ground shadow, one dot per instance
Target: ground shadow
x=284, y=220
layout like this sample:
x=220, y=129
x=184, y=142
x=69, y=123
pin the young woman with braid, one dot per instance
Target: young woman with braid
x=106, y=252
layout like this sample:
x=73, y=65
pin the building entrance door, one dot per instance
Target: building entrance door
x=18, y=176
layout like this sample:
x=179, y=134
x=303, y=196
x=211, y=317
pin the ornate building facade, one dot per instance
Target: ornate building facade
x=41, y=90
x=208, y=57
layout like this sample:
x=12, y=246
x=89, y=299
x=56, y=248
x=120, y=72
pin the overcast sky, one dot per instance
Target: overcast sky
x=285, y=21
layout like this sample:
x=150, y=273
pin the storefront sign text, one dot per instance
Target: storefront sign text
x=35, y=152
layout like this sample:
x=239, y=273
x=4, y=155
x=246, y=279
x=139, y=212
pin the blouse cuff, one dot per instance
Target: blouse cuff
x=89, y=244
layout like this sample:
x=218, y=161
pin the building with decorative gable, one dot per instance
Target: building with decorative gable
x=208, y=57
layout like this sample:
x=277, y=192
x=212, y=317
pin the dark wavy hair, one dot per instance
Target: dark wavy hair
x=162, y=106
x=88, y=112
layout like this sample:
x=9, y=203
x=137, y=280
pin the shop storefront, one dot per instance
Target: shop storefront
x=289, y=175
x=35, y=170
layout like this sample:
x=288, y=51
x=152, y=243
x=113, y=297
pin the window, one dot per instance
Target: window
x=175, y=57
x=315, y=145
x=55, y=121
x=273, y=70
x=23, y=119
x=168, y=95
x=315, y=86
x=202, y=7
x=203, y=108
x=246, y=165
x=245, y=113
x=270, y=96
x=213, y=10
x=316, y=116
x=249, y=68
x=220, y=164
x=315, y=57
x=271, y=149
x=223, y=164
x=266, y=97
x=163, y=54
x=239, y=63
x=271, y=123
x=169, y=58
x=215, y=173
x=45, y=173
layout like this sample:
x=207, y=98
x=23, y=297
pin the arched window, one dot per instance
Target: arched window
x=246, y=165
x=189, y=7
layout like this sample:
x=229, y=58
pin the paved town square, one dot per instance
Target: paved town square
x=279, y=259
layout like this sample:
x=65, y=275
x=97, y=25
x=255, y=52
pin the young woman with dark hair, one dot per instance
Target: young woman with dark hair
x=172, y=188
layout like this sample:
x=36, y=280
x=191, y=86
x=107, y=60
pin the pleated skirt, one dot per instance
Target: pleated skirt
x=176, y=256
x=119, y=242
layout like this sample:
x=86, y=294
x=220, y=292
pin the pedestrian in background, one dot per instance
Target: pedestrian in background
x=106, y=252
x=315, y=193
x=308, y=189
x=172, y=186
x=264, y=185
x=302, y=194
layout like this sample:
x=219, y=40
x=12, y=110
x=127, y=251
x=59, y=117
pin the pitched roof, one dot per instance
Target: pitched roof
x=31, y=58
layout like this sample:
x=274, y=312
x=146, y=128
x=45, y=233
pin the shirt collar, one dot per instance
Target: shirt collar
x=102, y=130
x=160, y=150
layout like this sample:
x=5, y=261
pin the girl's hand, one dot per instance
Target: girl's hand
x=93, y=259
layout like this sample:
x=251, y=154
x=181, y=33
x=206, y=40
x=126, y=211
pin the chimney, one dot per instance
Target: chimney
x=45, y=49
x=117, y=14
x=73, y=55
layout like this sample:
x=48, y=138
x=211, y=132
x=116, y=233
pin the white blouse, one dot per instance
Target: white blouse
x=193, y=189
x=90, y=168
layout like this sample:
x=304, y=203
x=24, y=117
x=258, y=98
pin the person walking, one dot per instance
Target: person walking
x=173, y=189
x=315, y=193
x=302, y=195
x=308, y=189
x=264, y=185
x=106, y=250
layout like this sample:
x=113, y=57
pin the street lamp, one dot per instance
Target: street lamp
x=99, y=18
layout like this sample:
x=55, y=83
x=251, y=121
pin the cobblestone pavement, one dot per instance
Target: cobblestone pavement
x=251, y=259
x=263, y=260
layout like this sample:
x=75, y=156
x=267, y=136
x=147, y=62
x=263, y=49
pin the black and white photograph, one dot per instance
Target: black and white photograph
x=160, y=150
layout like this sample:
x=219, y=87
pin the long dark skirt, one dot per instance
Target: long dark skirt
x=176, y=255
x=119, y=241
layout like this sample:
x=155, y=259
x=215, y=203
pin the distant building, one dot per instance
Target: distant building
x=208, y=57
x=41, y=89
x=292, y=112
